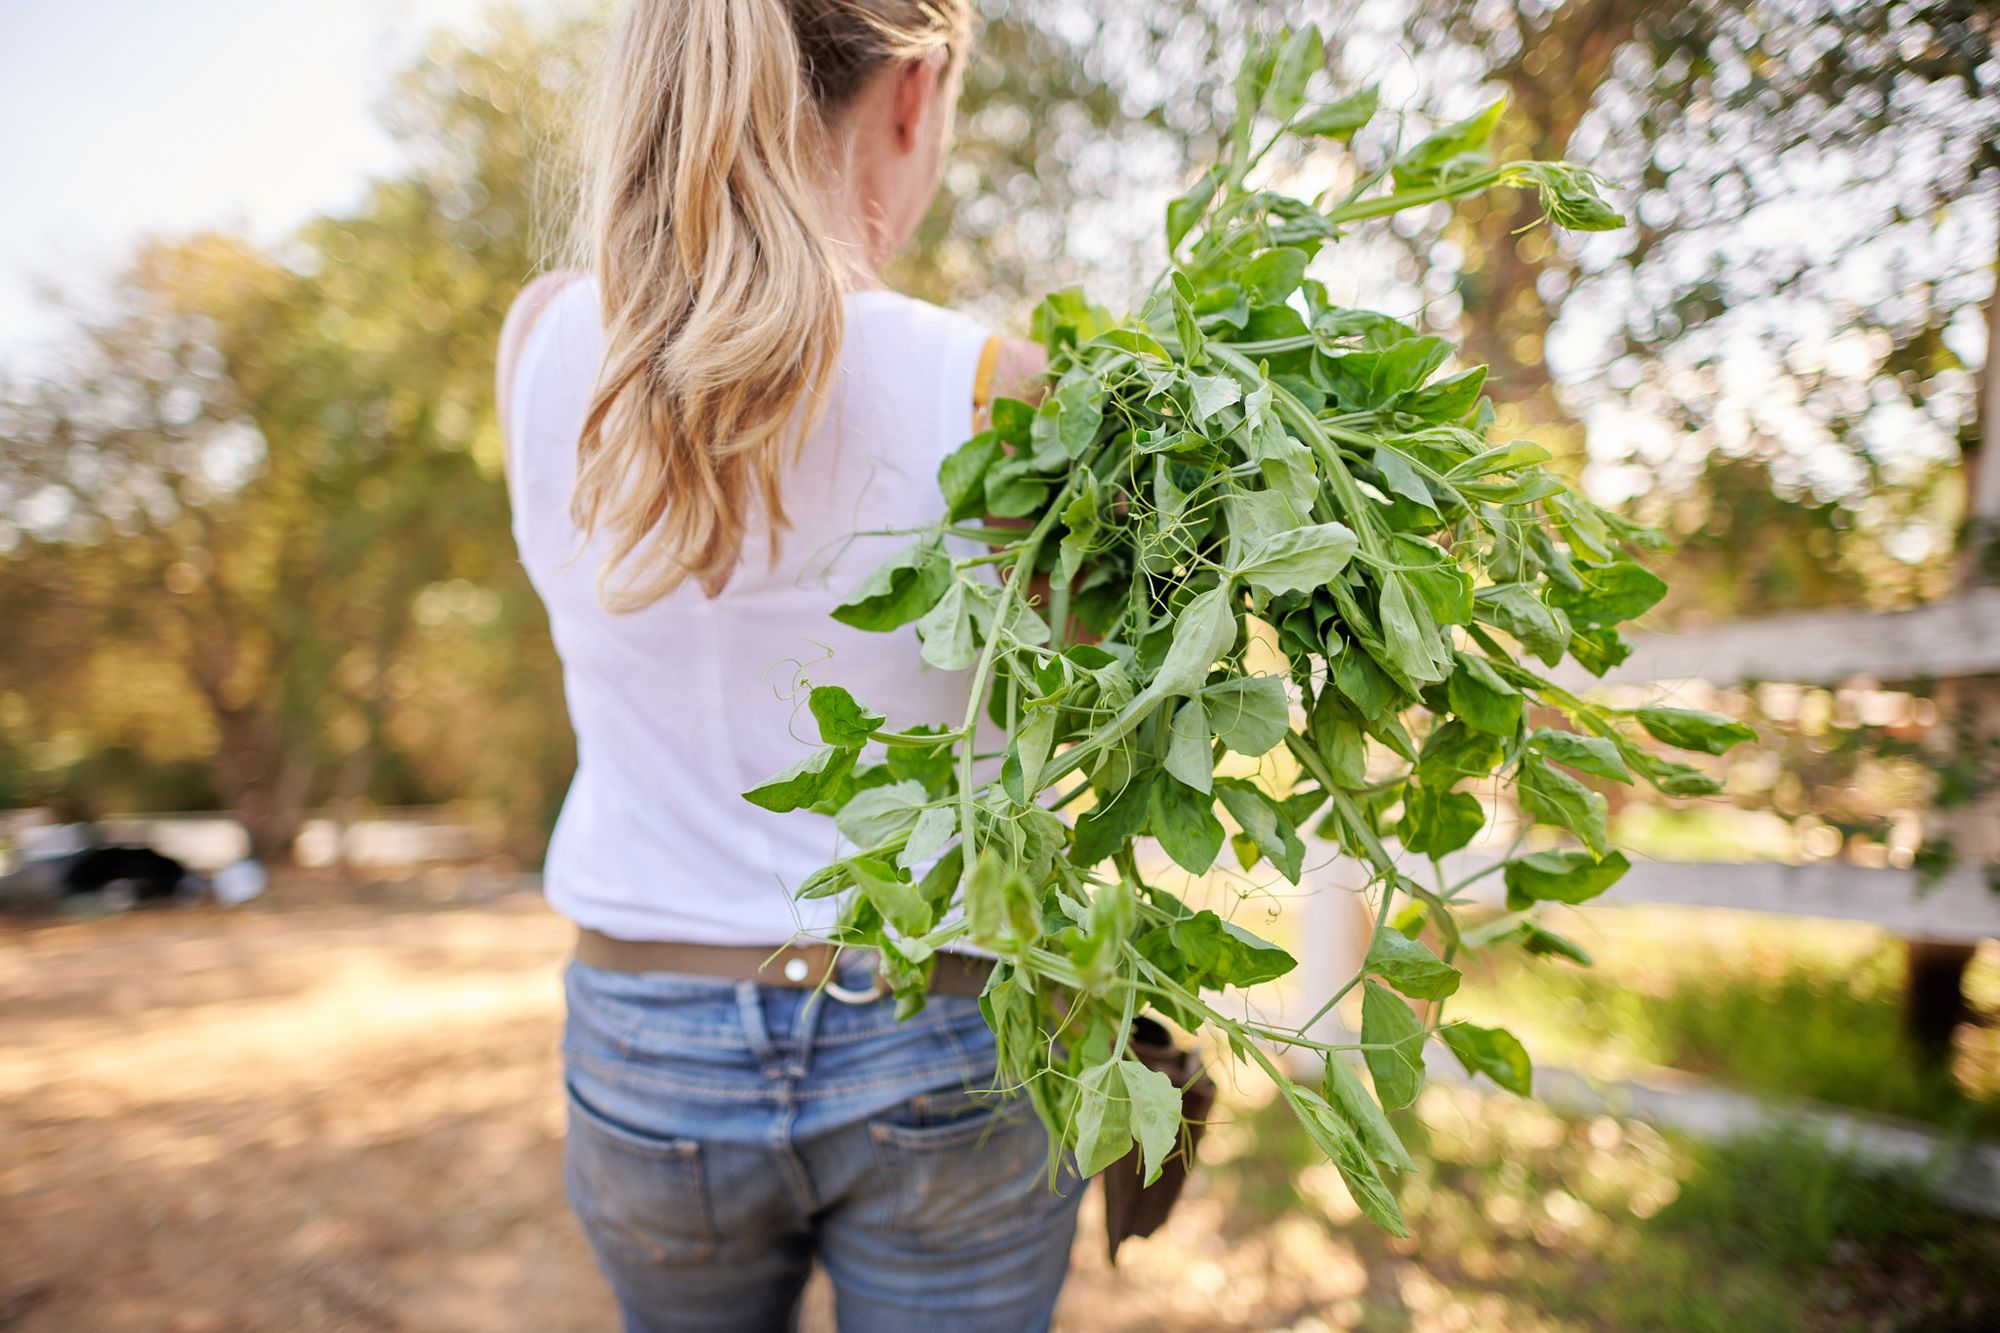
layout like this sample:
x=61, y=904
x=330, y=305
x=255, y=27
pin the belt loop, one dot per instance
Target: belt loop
x=805, y=1031
x=750, y=1007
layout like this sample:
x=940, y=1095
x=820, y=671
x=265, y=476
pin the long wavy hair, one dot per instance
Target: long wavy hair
x=722, y=291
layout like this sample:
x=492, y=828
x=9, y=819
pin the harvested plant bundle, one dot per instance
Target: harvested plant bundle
x=1243, y=449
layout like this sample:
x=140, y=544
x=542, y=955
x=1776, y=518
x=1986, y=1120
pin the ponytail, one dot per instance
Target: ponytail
x=722, y=292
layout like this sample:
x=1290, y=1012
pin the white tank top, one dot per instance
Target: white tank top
x=681, y=707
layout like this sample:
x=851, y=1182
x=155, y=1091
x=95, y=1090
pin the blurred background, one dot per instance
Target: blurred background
x=264, y=641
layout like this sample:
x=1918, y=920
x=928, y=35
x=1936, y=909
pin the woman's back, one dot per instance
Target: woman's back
x=681, y=706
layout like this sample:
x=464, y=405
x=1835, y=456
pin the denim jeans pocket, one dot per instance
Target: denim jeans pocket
x=641, y=1197
x=964, y=1165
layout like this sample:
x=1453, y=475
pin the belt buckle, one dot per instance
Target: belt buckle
x=877, y=988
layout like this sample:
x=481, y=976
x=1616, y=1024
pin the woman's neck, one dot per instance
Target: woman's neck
x=848, y=216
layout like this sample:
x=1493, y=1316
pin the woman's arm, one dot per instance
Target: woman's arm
x=514, y=330
x=1017, y=373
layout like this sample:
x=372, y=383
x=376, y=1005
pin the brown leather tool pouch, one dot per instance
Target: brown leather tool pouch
x=1131, y=1207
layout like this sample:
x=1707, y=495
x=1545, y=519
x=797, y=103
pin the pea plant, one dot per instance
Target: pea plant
x=1243, y=449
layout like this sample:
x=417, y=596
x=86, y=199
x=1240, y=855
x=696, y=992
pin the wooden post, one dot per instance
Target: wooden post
x=1934, y=977
x=1967, y=729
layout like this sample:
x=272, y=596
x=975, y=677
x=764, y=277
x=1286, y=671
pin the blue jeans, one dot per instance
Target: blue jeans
x=725, y=1135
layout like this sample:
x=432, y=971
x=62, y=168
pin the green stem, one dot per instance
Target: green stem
x=916, y=739
x=1017, y=579
x=1429, y=194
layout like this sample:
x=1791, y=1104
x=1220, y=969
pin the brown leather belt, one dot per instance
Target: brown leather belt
x=801, y=966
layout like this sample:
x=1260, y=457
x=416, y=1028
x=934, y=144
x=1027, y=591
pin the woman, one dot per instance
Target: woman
x=696, y=425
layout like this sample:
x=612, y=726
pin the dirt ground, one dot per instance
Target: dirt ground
x=346, y=1115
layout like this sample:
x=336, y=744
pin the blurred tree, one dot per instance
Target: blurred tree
x=1814, y=195
x=277, y=482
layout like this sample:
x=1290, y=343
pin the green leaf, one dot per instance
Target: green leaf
x=1189, y=758
x=1155, y=1113
x=1224, y=954
x=1338, y=737
x=901, y=589
x=1301, y=54
x=1273, y=276
x=1263, y=820
x=1187, y=209
x=1012, y=489
x=1299, y=560
x=1212, y=393
x=1343, y=119
x=805, y=782
x=1252, y=77
x=1561, y=877
x=1184, y=822
x=1459, y=149
x=841, y=720
x=1611, y=593
x=1342, y=1087
x=1410, y=966
x=1454, y=752
x=1204, y=631
x=1104, y=828
x=896, y=899
x=930, y=765
x=1494, y=1052
x=1408, y=632
x=1481, y=699
x=1403, y=478
x=1375, y=380
x=1031, y=746
x=1506, y=458
x=1343, y=1146
x=1188, y=332
x=1396, y=1045
x=1250, y=713
x=1515, y=608
x=1436, y=823
x=1080, y=521
x=1361, y=681
x=1136, y=341
x=986, y=897
x=880, y=814
x=1554, y=797
x=1671, y=777
x=946, y=631
x=934, y=828
x=1065, y=318
x=1103, y=1119
x=1599, y=650
x=1081, y=397
x=962, y=475
x=1449, y=399
x=1013, y=421
x=1590, y=754
x=1571, y=196
x=1538, y=941
x=1692, y=729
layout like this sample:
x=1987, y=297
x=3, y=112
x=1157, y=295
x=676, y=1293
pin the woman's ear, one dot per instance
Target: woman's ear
x=915, y=95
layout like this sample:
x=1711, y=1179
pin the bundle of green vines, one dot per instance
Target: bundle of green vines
x=1245, y=458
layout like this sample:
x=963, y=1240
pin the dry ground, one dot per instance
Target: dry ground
x=346, y=1115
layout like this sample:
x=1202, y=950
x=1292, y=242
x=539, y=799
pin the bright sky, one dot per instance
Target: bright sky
x=130, y=116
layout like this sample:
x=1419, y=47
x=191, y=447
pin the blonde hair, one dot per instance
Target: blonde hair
x=722, y=292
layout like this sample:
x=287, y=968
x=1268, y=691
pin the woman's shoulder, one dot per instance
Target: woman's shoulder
x=527, y=312
x=888, y=308
x=912, y=329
